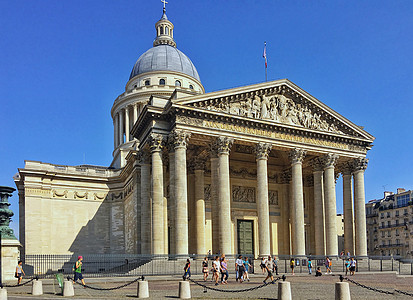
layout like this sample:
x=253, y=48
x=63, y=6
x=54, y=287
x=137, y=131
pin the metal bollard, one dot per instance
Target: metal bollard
x=68, y=290
x=3, y=294
x=342, y=291
x=184, y=290
x=37, y=288
x=284, y=290
x=143, y=289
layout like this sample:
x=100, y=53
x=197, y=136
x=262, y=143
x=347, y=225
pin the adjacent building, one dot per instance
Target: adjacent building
x=389, y=224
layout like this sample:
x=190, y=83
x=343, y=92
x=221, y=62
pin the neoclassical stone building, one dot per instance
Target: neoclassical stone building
x=248, y=170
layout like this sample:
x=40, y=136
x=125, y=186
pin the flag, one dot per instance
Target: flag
x=264, y=54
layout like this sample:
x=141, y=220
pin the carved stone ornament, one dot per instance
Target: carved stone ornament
x=243, y=172
x=179, y=138
x=273, y=197
x=243, y=194
x=156, y=142
x=347, y=168
x=285, y=177
x=262, y=150
x=55, y=193
x=309, y=180
x=80, y=195
x=199, y=163
x=277, y=108
x=360, y=164
x=317, y=164
x=207, y=192
x=329, y=160
x=223, y=144
x=297, y=155
x=144, y=156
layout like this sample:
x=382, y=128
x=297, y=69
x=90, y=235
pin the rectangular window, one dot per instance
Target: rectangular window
x=389, y=233
x=388, y=214
x=403, y=200
x=397, y=213
x=397, y=222
x=382, y=234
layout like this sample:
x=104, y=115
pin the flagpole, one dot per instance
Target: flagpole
x=264, y=54
x=266, y=73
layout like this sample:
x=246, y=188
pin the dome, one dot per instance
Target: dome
x=164, y=58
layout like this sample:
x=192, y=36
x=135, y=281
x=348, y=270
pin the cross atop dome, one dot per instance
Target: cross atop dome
x=164, y=5
x=164, y=30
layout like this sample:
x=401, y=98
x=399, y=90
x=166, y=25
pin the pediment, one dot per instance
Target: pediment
x=281, y=102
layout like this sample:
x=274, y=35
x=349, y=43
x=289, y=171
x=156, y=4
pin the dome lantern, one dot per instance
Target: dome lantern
x=164, y=31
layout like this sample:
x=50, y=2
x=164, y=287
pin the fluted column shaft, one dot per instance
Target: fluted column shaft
x=297, y=156
x=127, y=129
x=348, y=212
x=199, y=210
x=330, y=205
x=146, y=204
x=181, y=195
x=171, y=202
x=359, y=207
x=318, y=208
x=285, y=213
x=264, y=239
x=224, y=203
x=158, y=238
x=214, y=202
x=120, y=127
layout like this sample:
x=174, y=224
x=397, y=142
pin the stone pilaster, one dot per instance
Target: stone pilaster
x=318, y=207
x=200, y=206
x=223, y=146
x=285, y=179
x=297, y=156
x=348, y=208
x=146, y=202
x=262, y=150
x=156, y=144
x=360, y=165
x=329, y=160
x=180, y=139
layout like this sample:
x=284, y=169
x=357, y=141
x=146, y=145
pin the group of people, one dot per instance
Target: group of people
x=270, y=266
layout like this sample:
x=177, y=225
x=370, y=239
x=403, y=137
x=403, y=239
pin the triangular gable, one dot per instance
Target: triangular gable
x=281, y=102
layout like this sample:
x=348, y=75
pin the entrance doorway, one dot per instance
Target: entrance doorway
x=245, y=233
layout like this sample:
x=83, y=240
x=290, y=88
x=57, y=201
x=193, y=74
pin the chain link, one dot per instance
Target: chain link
x=368, y=287
x=108, y=289
x=234, y=291
x=404, y=293
x=21, y=284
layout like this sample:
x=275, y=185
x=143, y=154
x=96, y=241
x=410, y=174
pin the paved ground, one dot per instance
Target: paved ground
x=302, y=286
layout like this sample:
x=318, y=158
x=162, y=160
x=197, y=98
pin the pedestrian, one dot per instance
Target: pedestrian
x=318, y=272
x=262, y=265
x=224, y=270
x=216, y=267
x=246, y=268
x=347, y=265
x=239, y=266
x=19, y=272
x=348, y=254
x=310, y=265
x=292, y=265
x=275, y=264
x=352, y=266
x=328, y=264
x=78, y=270
x=205, y=268
x=187, y=270
x=269, y=267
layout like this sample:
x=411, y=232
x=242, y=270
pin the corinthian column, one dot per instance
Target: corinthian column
x=200, y=206
x=318, y=207
x=348, y=209
x=127, y=129
x=180, y=139
x=120, y=127
x=158, y=239
x=146, y=203
x=223, y=145
x=285, y=180
x=329, y=161
x=360, y=165
x=171, y=200
x=214, y=199
x=297, y=156
x=264, y=240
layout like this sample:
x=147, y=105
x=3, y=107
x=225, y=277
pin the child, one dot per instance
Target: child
x=187, y=270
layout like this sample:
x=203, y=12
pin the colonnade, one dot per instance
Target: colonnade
x=123, y=121
x=154, y=221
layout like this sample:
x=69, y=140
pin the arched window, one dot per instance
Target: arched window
x=162, y=81
x=135, y=86
x=161, y=30
x=166, y=30
x=191, y=86
x=147, y=82
x=177, y=83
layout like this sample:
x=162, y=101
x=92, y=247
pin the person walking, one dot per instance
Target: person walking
x=246, y=268
x=205, y=270
x=347, y=265
x=328, y=265
x=269, y=267
x=262, y=265
x=224, y=270
x=78, y=270
x=216, y=267
x=310, y=266
x=275, y=264
x=19, y=272
x=292, y=265
x=352, y=266
x=239, y=266
x=187, y=270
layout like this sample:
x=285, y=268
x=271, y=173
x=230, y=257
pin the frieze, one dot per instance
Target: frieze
x=77, y=195
x=243, y=194
x=97, y=196
x=188, y=120
x=61, y=194
x=243, y=173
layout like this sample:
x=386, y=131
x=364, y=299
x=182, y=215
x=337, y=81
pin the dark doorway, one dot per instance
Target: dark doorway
x=245, y=232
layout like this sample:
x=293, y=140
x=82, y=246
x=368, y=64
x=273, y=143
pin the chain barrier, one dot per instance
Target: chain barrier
x=108, y=289
x=206, y=287
x=21, y=284
x=374, y=289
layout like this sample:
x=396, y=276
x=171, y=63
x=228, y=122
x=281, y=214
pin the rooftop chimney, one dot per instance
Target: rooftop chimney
x=400, y=190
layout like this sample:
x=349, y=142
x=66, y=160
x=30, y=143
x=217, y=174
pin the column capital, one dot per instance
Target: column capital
x=222, y=145
x=262, y=150
x=317, y=164
x=360, y=164
x=199, y=163
x=297, y=155
x=329, y=160
x=144, y=156
x=347, y=168
x=179, y=138
x=156, y=142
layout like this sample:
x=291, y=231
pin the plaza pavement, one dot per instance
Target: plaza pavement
x=303, y=286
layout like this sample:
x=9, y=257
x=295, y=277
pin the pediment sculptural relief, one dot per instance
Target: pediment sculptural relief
x=277, y=108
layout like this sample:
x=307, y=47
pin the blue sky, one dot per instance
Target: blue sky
x=63, y=63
